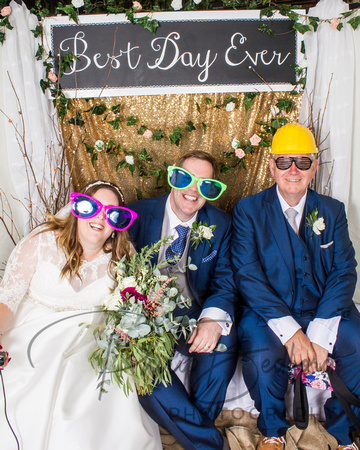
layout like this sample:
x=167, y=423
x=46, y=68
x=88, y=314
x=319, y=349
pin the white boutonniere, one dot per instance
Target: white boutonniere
x=200, y=232
x=314, y=222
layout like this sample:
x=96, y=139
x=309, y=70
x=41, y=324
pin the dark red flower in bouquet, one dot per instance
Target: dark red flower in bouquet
x=132, y=292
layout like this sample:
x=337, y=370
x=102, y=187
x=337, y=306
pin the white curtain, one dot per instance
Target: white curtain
x=329, y=94
x=29, y=111
x=354, y=203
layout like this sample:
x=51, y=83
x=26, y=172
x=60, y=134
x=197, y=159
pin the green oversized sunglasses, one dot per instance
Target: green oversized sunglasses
x=179, y=178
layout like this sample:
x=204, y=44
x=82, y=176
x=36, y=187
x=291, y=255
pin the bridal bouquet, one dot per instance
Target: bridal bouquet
x=141, y=330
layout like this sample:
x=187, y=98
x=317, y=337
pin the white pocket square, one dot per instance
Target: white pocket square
x=327, y=245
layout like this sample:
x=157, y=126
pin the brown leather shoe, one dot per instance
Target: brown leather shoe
x=272, y=443
x=352, y=446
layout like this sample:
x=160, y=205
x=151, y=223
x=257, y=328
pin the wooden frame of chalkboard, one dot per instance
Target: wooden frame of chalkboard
x=191, y=52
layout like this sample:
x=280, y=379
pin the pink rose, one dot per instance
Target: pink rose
x=334, y=23
x=255, y=139
x=137, y=6
x=52, y=77
x=148, y=134
x=5, y=11
x=319, y=384
x=239, y=152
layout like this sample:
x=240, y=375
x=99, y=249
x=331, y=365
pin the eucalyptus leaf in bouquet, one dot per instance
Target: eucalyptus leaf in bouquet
x=141, y=331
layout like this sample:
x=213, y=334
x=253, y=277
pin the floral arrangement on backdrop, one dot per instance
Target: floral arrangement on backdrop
x=141, y=329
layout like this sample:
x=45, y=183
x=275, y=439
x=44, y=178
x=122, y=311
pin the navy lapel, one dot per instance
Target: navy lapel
x=154, y=224
x=197, y=255
x=312, y=203
x=277, y=223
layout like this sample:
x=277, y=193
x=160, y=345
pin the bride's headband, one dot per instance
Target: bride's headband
x=66, y=210
x=106, y=183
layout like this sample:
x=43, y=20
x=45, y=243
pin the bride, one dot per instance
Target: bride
x=55, y=279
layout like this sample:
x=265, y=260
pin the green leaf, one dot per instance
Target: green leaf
x=142, y=130
x=285, y=104
x=266, y=29
x=190, y=126
x=94, y=158
x=204, y=126
x=340, y=26
x=39, y=53
x=267, y=12
x=44, y=84
x=293, y=16
x=176, y=136
x=37, y=31
x=99, y=110
x=2, y=38
x=208, y=100
x=115, y=123
x=131, y=121
x=354, y=22
x=197, y=107
x=302, y=29
x=116, y=108
x=77, y=120
x=89, y=148
x=157, y=135
x=232, y=100
x=314, y=22
x=346, y=14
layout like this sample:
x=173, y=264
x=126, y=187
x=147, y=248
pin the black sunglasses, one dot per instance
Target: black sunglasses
x=301, y=162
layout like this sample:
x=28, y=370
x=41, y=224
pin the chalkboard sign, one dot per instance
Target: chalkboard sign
x=190, y=52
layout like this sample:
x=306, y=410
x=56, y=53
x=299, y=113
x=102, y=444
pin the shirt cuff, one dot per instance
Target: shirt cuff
x=284, y=328
x=220, y=316
x=324, y=332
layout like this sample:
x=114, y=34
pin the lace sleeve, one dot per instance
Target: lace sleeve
x=19, y=271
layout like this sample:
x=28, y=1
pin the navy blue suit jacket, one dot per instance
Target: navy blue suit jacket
x=212, y=284
x=263, y=260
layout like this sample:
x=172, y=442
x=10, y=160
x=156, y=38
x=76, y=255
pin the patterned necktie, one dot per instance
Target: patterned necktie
x=177, y=247
x=290, y=214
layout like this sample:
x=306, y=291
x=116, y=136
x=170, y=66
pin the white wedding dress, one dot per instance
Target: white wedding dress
x=52, y=398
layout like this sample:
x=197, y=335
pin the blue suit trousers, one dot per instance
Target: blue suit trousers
x=265, y=368
x=190, y=417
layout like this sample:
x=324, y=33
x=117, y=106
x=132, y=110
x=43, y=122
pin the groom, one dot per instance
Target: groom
x=190, y=417
x=295, y=269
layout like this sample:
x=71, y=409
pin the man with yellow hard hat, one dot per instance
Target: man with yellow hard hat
x=294, y=266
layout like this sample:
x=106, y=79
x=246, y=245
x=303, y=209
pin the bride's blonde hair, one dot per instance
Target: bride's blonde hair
x=118, y=243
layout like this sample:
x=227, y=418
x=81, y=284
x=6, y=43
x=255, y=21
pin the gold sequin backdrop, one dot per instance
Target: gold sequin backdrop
x=165, y=112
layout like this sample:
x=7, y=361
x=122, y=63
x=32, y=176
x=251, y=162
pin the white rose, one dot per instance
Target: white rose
x=235, y=143
x=99, y=145
x=230, y=106
x=130, y=160
x=303, y=63
x=111, y=302
x=197, y=2
x=319, y=226
x=206, y=232
x=176, y=5
x=77, y=3
x=127, y=282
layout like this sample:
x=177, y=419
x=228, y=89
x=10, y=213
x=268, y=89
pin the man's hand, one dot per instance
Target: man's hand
x=301, y=351
x=205, y=337
x=321, y=356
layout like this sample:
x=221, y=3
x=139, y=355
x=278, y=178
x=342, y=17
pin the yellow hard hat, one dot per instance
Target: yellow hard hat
x=293, y=139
